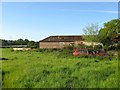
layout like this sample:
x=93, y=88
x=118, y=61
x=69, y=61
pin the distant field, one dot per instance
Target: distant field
x=32, y=69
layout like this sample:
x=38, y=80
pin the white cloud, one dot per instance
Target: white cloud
x=97, y=11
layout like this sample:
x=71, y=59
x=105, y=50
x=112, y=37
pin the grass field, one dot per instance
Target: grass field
x=32, y=69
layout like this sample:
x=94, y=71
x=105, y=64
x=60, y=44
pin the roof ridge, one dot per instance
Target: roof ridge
x=66, y=38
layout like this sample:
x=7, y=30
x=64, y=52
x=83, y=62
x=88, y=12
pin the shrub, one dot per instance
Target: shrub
x=106, y=48
x=81, y=46
x=98, y=47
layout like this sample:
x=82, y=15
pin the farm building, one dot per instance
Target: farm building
x=60, y=41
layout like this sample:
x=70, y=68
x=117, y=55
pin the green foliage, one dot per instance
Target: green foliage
x=91, y=32
x=30, y=44
x=98, y=47
x=15, y=42
x=91, y=29
x=109, y=32
x=90, y=38
x=34, y=69
x=118, y=47
x=33, y=44
x=26, y=41
x=79, y=46
x=20, y=42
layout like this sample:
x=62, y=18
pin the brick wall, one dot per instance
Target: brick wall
x=53, y=44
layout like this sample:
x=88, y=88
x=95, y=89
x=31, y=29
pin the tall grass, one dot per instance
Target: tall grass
x=57, y=69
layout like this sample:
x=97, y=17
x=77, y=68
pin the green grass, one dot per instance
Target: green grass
x=32, y=69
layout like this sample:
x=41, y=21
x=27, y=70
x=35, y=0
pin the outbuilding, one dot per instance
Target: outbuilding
x=60, y=41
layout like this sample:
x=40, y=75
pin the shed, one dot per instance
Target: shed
x=60, y=41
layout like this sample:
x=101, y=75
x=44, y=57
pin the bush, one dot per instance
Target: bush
x=47, y=50
x=113, y=47
x=106, y=48
x=81, y=46
x=98, y=47
x=67, y=51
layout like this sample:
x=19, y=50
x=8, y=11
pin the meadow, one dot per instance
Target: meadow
x=44, y=69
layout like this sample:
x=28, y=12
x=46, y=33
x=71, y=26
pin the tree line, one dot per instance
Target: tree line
x=108, y=35
x=31, y=44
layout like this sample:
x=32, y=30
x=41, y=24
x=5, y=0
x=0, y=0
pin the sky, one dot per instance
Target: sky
x=38, y=20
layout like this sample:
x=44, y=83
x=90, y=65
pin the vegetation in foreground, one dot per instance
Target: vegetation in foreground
x=44, y=69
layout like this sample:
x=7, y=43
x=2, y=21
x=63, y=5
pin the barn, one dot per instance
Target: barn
x=60, y=41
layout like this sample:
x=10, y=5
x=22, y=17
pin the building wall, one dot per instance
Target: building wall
x=54, y=44
x=78, y=42
x=62, y=44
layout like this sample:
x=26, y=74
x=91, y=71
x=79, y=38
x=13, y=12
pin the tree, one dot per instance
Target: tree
x=33, y=44
x=91, y=29
x=4, y=42
x=20, y=42
x=109, y=32
x=30, y=44
x=36, y=44
x=91, y=32
x=26, y=41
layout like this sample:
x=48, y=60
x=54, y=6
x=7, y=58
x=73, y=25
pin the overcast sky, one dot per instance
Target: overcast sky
x=37, y=20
